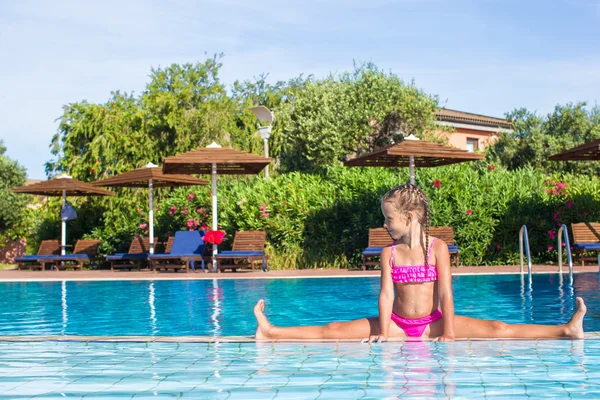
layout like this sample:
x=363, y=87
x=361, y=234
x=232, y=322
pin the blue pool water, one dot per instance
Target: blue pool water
x=32, y=369
x=560, y=369
x=224, y=307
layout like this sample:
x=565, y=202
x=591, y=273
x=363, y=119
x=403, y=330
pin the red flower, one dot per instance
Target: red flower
x=498, y=246
x=214, y=237
x=437, y=183
x=490, y=167
x=469, y=212
x=550, y=248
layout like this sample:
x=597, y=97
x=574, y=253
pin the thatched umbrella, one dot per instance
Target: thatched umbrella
x=412, y=152
x=215, y=159
x=63, y=185
x=585, y=152
x=150, y=176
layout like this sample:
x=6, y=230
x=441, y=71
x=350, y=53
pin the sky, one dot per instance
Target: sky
x=480, y=56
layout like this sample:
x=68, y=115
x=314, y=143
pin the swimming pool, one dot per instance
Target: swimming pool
x=222, y=369
x=224, y=307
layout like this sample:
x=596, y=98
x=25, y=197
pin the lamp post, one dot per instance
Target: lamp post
x=263, y=114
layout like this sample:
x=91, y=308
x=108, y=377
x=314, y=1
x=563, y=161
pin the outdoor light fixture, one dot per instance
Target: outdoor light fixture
x=263, y=114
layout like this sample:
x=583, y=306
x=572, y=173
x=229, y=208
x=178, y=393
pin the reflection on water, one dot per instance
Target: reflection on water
x=224, y=307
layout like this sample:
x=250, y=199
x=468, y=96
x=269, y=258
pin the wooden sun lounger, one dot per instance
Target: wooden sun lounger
x=380, y=238
x=586, y=238
x=86, y=250
x=47, y=250
x=137, y=253
x=248, y=247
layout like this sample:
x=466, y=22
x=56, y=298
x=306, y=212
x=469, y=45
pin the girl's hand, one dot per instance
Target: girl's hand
x=375, y=338
x=444, y=338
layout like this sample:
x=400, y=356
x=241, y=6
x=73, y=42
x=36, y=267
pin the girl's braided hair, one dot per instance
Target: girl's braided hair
x=410, y=198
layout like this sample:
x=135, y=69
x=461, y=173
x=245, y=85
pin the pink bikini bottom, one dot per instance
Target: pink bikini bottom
x=416, y=327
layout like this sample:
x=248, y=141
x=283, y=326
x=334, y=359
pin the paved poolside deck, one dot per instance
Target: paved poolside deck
x=101, y=275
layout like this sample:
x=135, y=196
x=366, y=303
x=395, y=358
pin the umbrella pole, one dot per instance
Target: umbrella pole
x=214, y=212
x=151, y=215
x=412, y=169
x=63, y=226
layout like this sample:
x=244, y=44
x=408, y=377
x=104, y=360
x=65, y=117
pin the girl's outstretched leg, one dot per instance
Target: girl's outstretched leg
x=358, y=329
x=465, y=327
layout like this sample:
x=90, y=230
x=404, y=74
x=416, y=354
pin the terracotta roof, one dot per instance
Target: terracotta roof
x=585, y=152
x=427, y=154
x=448, y=115
x=229, y=161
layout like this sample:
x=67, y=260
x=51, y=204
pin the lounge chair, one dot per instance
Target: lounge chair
x=586, y=238
x=186, y=248
x=86, y=250
x=379, y=238
x=47, y=250
x=138, y=253
x=446, y=233
x=248, y=247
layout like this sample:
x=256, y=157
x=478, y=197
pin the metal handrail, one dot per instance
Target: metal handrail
x=524, y=236
x=563, y=232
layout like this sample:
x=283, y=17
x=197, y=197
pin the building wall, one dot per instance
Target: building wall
x=459, y=137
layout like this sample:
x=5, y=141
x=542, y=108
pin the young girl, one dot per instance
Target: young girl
x=415, y=299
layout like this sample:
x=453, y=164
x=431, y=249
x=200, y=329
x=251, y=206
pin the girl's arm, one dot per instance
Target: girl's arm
x=386, y=294
x=442, y=259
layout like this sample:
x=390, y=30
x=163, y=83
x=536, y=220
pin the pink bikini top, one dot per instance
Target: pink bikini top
x=414, y=273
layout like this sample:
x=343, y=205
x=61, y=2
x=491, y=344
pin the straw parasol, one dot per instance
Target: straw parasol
x=214, y=159
x=412, y=152
x=63, y=185
x=150, y=176
x=585, y=152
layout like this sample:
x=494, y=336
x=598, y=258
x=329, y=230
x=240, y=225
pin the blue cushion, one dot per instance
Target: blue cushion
x=452, y=249
x=249, y=253
x=587, y=246
x=68, y=257
x=127, y=256
x=372, y=251
x=185, y=244
x=34, y=258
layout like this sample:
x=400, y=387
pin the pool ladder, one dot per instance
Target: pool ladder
x=524, y=248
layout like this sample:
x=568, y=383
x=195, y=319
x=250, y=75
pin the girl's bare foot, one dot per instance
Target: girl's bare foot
x=575, y=325
x=264, y=326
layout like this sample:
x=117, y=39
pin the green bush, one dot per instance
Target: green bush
x=322, y=220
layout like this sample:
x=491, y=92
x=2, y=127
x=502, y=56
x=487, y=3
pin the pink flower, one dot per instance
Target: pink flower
x=262, y=207
x=555, y=216
x=469, y=212
x=205, y=227
x=143, y=226
x=173, y=208
x=570, y=204
x=553, y=191
x=550, y=248
x=437, y=183
x=552, y=234
x=185, y=211
x=561, y=185
x=199, y=211
x=139, y=210
x=190, y=223
x=498, y=246
x=490, y=167
x=171, y=213
x=196, y=222
x=191, y=197
x=265, y=214
x=564, y=244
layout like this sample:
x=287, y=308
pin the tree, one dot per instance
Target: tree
x=341, y=116
x=535, y=138
x=12, y=205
